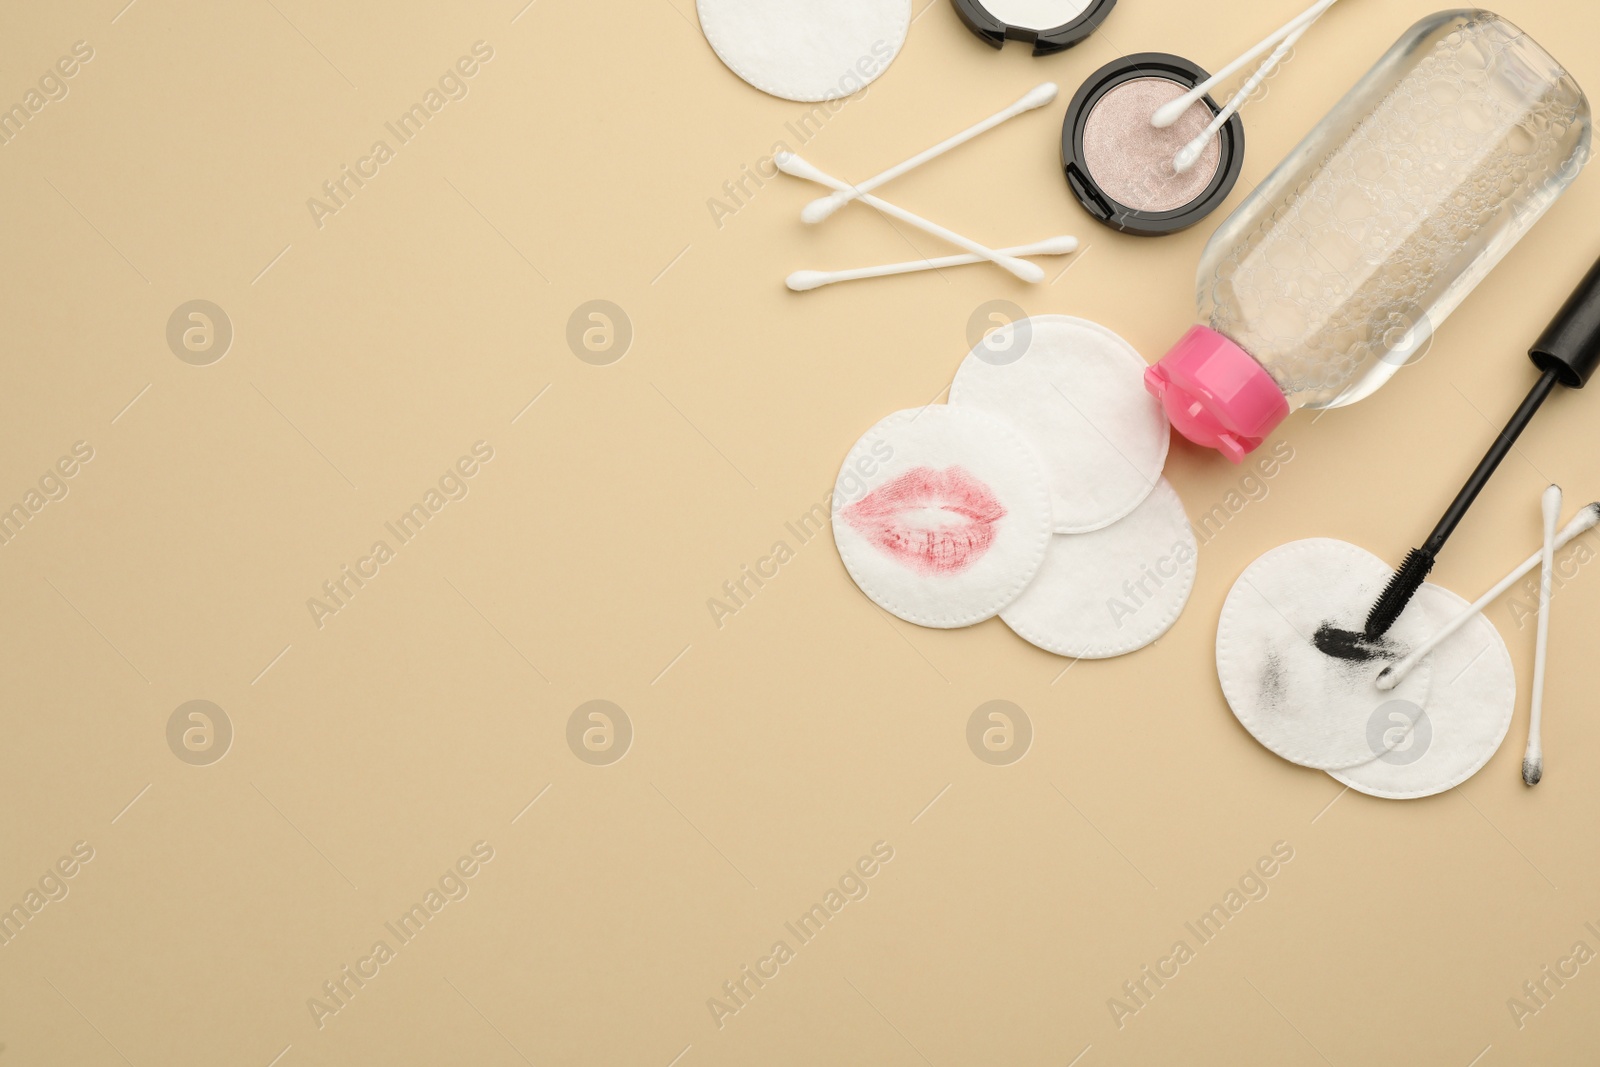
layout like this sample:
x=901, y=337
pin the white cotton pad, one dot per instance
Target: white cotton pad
x=1035, y=14
x=941, y=515
x=1076, y=391
x=1113, y=591
x=1468, y=711
x=1307, y=706
x=806, y=49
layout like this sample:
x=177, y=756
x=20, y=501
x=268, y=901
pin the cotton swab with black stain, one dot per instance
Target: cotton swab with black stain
x=1567, y=353
x=794, y=166
x=1533, y=758
x=824, y=207
x=802, y=280
x=1581, y=523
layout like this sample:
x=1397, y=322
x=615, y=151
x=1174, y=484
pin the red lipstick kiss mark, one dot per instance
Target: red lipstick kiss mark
x=935, y=522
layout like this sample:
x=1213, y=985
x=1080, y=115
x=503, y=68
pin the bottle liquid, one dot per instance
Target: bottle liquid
x=1338, y=268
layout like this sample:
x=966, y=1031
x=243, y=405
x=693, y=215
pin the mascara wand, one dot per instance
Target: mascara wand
x=1567, y=353
x=1419, y=561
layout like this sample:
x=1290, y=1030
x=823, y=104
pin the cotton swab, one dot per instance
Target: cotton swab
x=1533, y=758
x=1392, y=675
x=1191, y=152
x=792, y=164
x=824, y=207
x=802, y=280
x=1171, y=112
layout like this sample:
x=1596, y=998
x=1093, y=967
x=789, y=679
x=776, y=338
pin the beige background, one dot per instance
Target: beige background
x=768, y=754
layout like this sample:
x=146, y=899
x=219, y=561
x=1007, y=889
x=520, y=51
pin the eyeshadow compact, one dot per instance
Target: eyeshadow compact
x=1119, y=164
x=1051, y=26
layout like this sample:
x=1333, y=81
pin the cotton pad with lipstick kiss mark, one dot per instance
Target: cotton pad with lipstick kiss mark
x=806, y=49
x=941, y=515
x=1076, y=391
x=1115, y=590
x=1289, y=662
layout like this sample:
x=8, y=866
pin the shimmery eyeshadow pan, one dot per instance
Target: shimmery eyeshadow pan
x=1131, y=160
x=1120, y=166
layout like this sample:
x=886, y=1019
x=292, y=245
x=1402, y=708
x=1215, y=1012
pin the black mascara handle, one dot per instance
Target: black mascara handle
x=1570, y=345
x=1567, y=352
x=1491, y=460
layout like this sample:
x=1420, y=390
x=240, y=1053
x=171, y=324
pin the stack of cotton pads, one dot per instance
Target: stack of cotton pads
x=1035, y=494
x=1432, y=732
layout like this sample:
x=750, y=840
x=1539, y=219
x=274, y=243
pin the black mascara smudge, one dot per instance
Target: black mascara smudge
x=1274, y=681
x=1352, y=645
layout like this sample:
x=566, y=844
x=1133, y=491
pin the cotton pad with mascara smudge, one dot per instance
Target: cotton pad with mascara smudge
x=1309, y=707
x=1468, y=711
x=942, y=515
x=1076, y=391
x=806, y=49
x=1115, y=590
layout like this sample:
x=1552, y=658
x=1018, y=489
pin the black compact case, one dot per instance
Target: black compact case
x=995, y=32
x=1082, y=182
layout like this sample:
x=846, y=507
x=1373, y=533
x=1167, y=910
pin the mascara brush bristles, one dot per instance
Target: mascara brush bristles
x=1398, y=593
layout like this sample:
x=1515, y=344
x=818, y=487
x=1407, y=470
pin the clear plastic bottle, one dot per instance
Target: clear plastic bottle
x=1337, y=269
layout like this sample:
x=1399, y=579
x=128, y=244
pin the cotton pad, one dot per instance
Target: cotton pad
x=1468, y=711
x=1115, y=590
x=941, y=515
x=806, y=49
x=1076, y=391
x=1307, y=706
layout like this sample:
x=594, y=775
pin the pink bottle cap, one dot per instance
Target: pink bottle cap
x=1216, y=394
